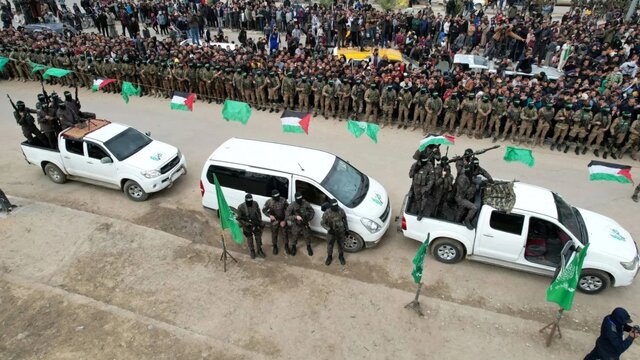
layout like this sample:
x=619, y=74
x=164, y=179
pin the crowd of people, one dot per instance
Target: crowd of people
x=593, y=106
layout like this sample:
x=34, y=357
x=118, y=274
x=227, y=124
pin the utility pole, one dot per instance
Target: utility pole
x=632, y=9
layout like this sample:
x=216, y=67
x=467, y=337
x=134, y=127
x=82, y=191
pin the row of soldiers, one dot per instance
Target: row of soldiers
x=434, y=193
x=53, y=115
x=290, y=223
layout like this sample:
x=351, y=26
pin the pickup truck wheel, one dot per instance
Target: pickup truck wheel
x=592, y=282
x=352, y=242
x=55, y=174
x=134, y=191
x=447, y=251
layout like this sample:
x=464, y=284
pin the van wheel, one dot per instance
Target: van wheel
x=447, y=251
x=134, y=191
x=592, y=282
x=55, y=174
x=352, y=242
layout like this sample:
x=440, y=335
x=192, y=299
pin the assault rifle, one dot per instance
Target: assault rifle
x=12, y=103
x=477, y=152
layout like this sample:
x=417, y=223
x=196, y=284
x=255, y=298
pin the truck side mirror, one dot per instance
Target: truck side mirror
x=106, y=160
x=148, y=133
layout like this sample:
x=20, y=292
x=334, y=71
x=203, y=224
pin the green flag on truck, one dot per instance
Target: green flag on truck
x=418, y=261
x=563, y=287
x=227, y=217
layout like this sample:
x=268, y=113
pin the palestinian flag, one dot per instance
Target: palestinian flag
x=99, y=83
x=182, y=101
x=600, y=170
x=295, y=122
x=433, y=139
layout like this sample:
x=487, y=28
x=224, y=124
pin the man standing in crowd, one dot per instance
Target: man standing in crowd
x=334, y=220
x=251, y=221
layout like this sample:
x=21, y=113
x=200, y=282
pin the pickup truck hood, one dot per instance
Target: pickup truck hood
x=374, y=203
x=152, y=156
x=608, y=237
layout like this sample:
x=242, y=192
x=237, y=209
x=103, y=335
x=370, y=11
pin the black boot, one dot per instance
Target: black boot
x=553, y=146
x=559, y=147
x=605, y=154
x=286, y=249
x=614, y=156
x=635, y=198
x=275, y=249
x=584, y=150
x=341, y=258
x=596, y=152
x=309, y=250
x=293, y=250
x=328, y=261
x=253, y=254
x=577, y=151
x=566, y=149
x=261, y=253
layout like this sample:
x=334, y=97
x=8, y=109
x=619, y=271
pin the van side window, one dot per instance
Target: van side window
x=248, y=181
x=311, y=193
x=74, y=146
x=510, y=223
x=94, y=151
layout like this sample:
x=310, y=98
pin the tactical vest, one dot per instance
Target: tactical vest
x=621, y=127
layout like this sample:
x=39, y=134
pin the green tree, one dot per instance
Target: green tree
x=387, y=5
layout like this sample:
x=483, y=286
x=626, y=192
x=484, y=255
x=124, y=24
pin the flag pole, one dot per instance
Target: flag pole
x=554, y=325
x=225, y=253
x=415, y=304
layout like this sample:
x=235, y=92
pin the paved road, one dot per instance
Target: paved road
x=197, y=134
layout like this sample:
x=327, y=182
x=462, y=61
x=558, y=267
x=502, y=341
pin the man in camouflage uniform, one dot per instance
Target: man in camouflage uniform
x=274, y=91
x=47, y=121
x=422, y=182
x=388, y=104
x=17, y=68
x=404, y=106
x=334, y=220
x=633, y=142
x=298, y=216
x=634, y=197
x=329, y=94
x=451, y=108
x=237, y=86
x=318, y=103
x=275, y=209
x=528, y=116
x=563, y=120
x=419, y=112
x=484, y=111
x=289, y=91
x=599, y=128
x=304, y=92
x=371, y=99
x=230, y=89
x=578, y=132
x=217, y=87
x=465, y=196
x=180, y=78
x=248, y=89
x=513, y=121
x=250, y=219
x=357, y=97
x=344, y=97
x=545, y=117
x=469, y=107
x=442, y=187
x=83, y=78
x=433, y=108
x=260, y=85
x=498, y=110
x=168, y=79
x=192, y=75
x=206, y=78
x=619, y=129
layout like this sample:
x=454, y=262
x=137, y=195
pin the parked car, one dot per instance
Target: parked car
x=479, y=63
x=258, y=167
x=533, y=237
x=111, y=155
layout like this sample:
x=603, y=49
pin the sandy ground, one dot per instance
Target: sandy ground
x=141, y=270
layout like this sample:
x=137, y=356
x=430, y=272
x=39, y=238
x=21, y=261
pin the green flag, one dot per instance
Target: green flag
x=227, y=217
x=3, y=62
x=563, y=288
x=236, y=111
x=418, y=261
x=518, y=154
x=55, y=72
x=37, y=67
x=129, y=90
x=357, y=128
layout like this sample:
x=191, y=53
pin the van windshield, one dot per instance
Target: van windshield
x=346, y=183
x=571, y=218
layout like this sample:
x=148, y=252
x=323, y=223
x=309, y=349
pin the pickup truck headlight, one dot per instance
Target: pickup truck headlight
x=371, y=225
x=150, y=174
x=630, y=265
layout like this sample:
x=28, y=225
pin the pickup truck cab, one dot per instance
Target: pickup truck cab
x=111, y=155
x=533, y=237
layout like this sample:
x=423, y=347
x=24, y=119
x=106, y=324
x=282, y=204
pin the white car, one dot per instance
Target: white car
x=476, y=62
x=111, y=155
x=228, y=46
x=533, y=237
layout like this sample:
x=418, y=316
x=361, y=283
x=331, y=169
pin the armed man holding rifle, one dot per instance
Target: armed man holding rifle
x=251, y=221
x=298, y=215
x=275, y=209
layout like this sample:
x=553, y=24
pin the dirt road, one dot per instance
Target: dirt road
x=503, y=297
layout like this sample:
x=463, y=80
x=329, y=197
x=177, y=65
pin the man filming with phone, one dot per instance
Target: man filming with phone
x=611, y=343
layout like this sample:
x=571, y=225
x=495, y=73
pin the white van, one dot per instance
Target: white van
x=257, y=167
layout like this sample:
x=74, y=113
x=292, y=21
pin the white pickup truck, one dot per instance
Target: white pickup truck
x=532, y=237
x=111, y=155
